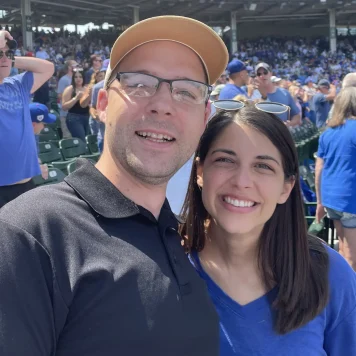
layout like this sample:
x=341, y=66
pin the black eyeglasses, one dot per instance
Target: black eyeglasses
x=9, y=54
x=262, y=73
x=146, y=85
x=265, y=106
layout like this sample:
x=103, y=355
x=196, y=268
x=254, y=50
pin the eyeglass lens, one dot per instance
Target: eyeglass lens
x=262, y=73
x=273, y=108
x=9, y=54
x=145, y=85
x=228, y=105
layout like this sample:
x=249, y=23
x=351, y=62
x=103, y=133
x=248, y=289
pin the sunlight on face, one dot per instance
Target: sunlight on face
x=176, y=126
x=243, y=180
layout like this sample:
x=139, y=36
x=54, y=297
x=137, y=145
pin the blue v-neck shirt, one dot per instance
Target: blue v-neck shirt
x=248, y=330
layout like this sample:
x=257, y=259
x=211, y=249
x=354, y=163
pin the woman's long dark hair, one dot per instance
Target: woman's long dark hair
x=287, y=256
x=74, y=93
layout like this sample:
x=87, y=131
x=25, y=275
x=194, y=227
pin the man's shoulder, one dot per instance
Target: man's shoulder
x=47, y=204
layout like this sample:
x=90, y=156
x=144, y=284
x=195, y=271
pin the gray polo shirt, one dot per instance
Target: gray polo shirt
x=85, y=271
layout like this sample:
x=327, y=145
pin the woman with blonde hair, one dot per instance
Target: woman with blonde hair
x=335, y=173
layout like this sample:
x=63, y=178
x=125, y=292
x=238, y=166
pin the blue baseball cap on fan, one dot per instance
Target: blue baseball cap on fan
x=39, y=113
x=235, y=66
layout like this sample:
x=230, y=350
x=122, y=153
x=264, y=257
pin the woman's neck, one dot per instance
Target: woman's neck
x=234, y=250
x=232, y=262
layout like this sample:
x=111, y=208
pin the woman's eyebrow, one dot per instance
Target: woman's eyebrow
x=223, y=150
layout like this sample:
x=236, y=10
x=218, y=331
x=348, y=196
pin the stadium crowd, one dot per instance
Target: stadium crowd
x=236, y=144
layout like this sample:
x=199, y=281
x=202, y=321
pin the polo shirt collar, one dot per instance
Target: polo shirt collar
x=101, y=195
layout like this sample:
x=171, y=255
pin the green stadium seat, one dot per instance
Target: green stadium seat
x=92, y=143
x=48, y=152
x=73, y=147
x=54, y=176
x=48, y=134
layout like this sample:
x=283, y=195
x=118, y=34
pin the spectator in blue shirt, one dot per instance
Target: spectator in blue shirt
x=272, y=93
x=238, y=77
x=321, y=101
x=277, y=290
x=335, y=172
x=18, y=153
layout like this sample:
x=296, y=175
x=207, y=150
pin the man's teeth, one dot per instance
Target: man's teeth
x=239, y=203
x=155, y=136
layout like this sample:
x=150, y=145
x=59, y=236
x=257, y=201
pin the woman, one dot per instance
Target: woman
x=78, y=115
x=277, y=290
x=94, y=122
x=335, y=172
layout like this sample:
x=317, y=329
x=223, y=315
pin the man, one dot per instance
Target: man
x=42, y=54
x=278, y=95
x=321, y=101
x=216, y=92
x=96, y=123
x=95, y=65
x=310, y=91
x=39, y=117
x=97, y=267
x=64, y=82
x=18, y=153
x=223, y=79
x=238, y=77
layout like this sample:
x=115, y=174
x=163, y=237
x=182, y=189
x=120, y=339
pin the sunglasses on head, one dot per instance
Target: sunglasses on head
x=265, y=106
x=262, y=73
x=9, y=54
x=77, y=69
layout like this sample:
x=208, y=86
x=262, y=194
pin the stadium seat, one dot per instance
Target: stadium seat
x=48, y=152
x=92, y=142
x=48, y=134
x=74, y=148
x=54, y=176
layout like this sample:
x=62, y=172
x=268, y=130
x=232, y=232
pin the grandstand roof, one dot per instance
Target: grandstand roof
x=212, y=12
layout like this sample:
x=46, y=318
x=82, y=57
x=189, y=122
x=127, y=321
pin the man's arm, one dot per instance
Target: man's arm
x=331, y=96
x=42, y=70
x=295, y=120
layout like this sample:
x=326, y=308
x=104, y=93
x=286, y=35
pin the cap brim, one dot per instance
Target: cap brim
x=192, y=33
x=50, y=119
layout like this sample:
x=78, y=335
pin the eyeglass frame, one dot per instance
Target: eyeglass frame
x=161, y=80
x=255, y=104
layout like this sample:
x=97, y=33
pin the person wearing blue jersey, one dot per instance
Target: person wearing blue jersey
x=277, y=290
x=269, y=92
x=335, y=172
x=18, y=152
x=238, y=78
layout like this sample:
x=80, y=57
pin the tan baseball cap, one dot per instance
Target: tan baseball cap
x=203, y=40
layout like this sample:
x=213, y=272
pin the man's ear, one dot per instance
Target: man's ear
x=102, y=104
x=207, y=112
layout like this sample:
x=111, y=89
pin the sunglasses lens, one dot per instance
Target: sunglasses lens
x=228, y=105
x=273, y=108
